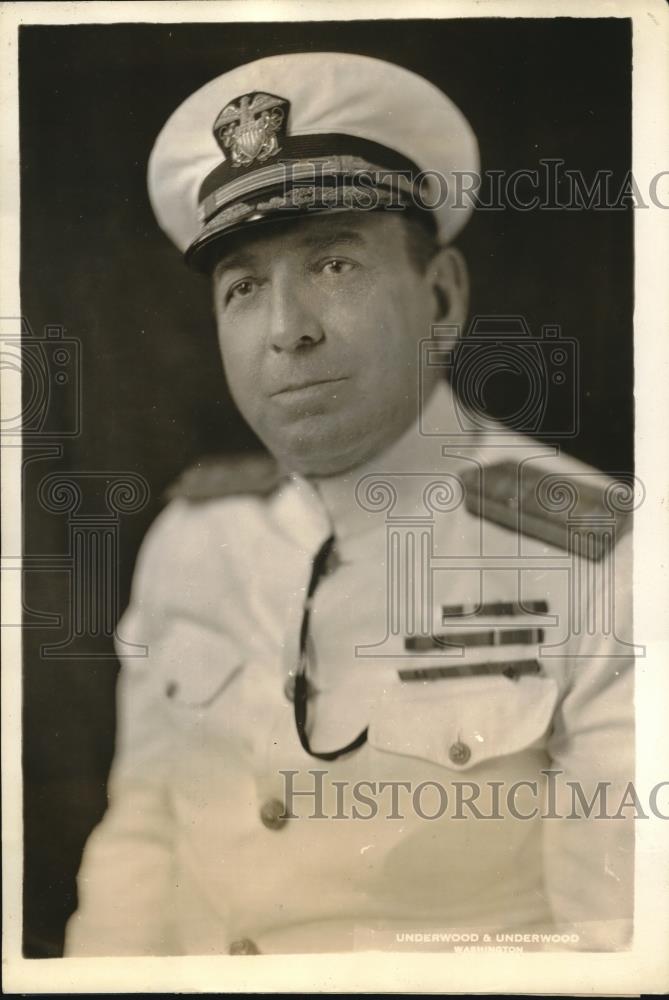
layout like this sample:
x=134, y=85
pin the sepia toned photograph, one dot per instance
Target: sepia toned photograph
x=323, y=428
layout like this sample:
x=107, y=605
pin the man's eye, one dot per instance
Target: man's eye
x=240, y=290
x=335, y=265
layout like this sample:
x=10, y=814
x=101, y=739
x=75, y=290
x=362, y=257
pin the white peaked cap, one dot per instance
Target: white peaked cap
x=340, y=112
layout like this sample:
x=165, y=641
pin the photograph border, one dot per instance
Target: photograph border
x=645, y=967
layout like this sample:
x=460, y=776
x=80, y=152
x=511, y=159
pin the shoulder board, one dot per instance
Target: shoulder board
x=218, y=476
x=584, y=512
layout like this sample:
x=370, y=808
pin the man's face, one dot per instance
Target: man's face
x=319, y=322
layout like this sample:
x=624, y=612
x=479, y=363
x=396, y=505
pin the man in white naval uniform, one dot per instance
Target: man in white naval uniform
x=374, y=661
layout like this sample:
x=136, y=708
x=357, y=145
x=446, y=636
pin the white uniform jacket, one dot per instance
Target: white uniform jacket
x=195, y=855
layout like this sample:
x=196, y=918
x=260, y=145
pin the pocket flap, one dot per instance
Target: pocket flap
x=196, y=663
x=464, y=723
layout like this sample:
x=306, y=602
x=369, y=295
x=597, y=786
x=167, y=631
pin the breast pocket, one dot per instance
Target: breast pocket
x=197, y=664
x=461, y=724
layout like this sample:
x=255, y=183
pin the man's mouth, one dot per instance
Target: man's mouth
x=307, y=384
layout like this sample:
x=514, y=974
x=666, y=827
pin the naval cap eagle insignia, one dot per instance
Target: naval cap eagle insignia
x=248, y=128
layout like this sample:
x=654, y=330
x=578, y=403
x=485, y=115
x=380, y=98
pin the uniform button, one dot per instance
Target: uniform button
x=245, y=946
x=459, y=753
x=171, y=689
x=272, y=814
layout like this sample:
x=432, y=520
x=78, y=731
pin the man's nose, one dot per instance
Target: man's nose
x=294, y=324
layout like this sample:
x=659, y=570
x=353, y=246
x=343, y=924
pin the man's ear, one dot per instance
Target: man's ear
x=447, y=274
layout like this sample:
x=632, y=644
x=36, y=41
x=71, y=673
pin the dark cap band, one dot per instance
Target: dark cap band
x=285, y=203
x=295, y=148
x=312, y=174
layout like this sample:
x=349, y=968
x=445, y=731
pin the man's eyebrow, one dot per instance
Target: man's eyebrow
x=240, y=260
x=325, y=240
x=246, y=258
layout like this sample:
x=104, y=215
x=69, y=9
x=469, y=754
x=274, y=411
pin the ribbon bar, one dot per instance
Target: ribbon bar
x=513, y=669
x=500, y=608
x=490, y=637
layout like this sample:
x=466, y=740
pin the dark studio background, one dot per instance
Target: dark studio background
x=93, y=98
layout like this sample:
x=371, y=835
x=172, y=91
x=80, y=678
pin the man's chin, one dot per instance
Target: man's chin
x=313, y=447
